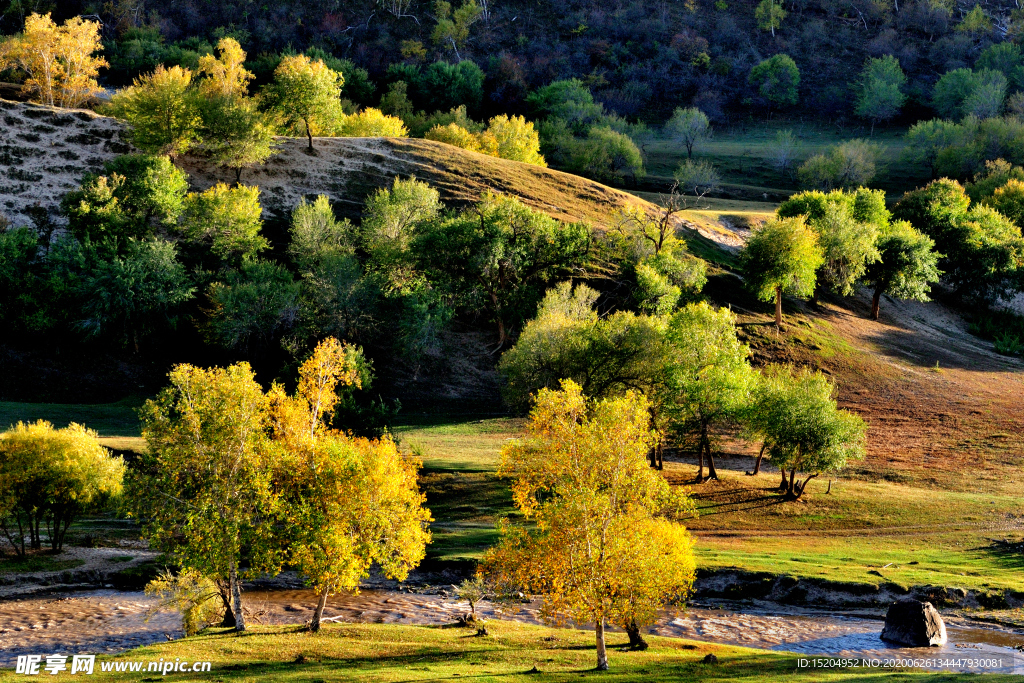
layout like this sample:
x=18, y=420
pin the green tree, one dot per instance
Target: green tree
x=612, y=155
x=452, y=28
x=203, y=491
x=51, y=476
x=251, y=306
x=982, y=249
x=351, y=502
x=690, y=125
x=391, y=217
x=847, y=240
x=131, y=297
x=1008, y=200
x=880, y=93
x=782, y=256
x=1006, y=58
x=769, y=15
x=961, y=92
x=307, y=92
x=907, y=265
x=162, y=110
x=228, y=219
x=335, y=297
x=123, y=203
x=603, y=551
x=708, y=378
x=802, y=429
x=236, y=134
x=499, y=256
x=776, y=80
x=607, y=356
x=846, y=165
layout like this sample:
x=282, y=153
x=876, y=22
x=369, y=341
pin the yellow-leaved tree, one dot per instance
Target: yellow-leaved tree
x=58, y=61
x=350, y=502
x=604, y=550
x=50, y=476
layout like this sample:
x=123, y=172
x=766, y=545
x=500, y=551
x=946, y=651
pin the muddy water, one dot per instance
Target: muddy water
x=108, y=621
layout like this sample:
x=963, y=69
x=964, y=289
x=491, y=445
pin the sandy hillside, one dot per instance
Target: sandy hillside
x=44, y=152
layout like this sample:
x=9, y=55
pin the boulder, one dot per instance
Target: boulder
x=915, y=624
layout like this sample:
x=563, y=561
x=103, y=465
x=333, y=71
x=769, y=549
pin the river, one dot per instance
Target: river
x=110, y=621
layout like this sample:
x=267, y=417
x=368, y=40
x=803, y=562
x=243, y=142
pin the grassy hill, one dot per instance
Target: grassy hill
x=45, y=151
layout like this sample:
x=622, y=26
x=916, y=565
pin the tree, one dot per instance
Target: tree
x=371, y=123
x=776, y=80
x=121, y=204
x=129, y=298
x=849, y=164
x=516, y=139
x=802, y=427
x=1009, y=200
x=707, y=377
x=162, y=110
x=698, y=177
x=252, y=306
x=308, y=93
x=961, y=92
x=880, y=95
x=1006, y=58
x=769, y=15
x=847, y=240
x=391, y=218
x=607, y=356
x=203, y=491
x=228, y=219
x=351, y=502
x=907, y=265
x=782, y=150
x=58, y=61
x=501, y=252
x=452, y=28
x=602, y=552
x=795, y=414
x=982, y=249
x=226, y=75
x=782, y=256
x=613, y=155
x=51, y=476
x=236, y=134
x=691, y=125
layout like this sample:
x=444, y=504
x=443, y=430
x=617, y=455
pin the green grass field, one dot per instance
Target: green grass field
x=740, y=153
x=384, y=653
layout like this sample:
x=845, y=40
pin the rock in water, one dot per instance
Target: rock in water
x=914, y=623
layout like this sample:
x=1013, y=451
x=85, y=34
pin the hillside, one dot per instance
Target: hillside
x=45, y=151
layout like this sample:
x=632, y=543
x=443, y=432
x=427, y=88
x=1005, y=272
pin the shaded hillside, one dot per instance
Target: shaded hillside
x=44, y=152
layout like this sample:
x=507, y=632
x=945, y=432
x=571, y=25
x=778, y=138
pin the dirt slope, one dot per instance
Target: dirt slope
x=44, y=152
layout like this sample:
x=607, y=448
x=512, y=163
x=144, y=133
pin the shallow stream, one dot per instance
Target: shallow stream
x=109, y=621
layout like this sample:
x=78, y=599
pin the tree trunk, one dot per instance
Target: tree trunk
x=757, y=463
x=792, y=481
x=236, y=598
x=659, y=452
x=803, y=487
x=225, y=596
x=874, y=302
x=700, y=462
x=238, y=176
x=712, y=472
x=314, y=625
x=778, y=307
x=602, y=651
x=782, y=484
x=636, y=639
x=309, y=134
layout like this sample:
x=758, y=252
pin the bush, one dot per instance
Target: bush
x=371, y=123
x=848, y=164
x=698, y=177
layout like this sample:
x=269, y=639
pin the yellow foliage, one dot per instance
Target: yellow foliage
x=507, y=138
x=602, y=551
x=371, y=123
x=58, y=60
x=226, y=74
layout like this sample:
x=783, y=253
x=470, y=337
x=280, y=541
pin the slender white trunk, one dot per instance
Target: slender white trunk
x=602, y=651
x=236, y=598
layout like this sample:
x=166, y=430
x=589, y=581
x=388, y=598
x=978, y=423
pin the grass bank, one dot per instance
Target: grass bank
x=386, y=653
